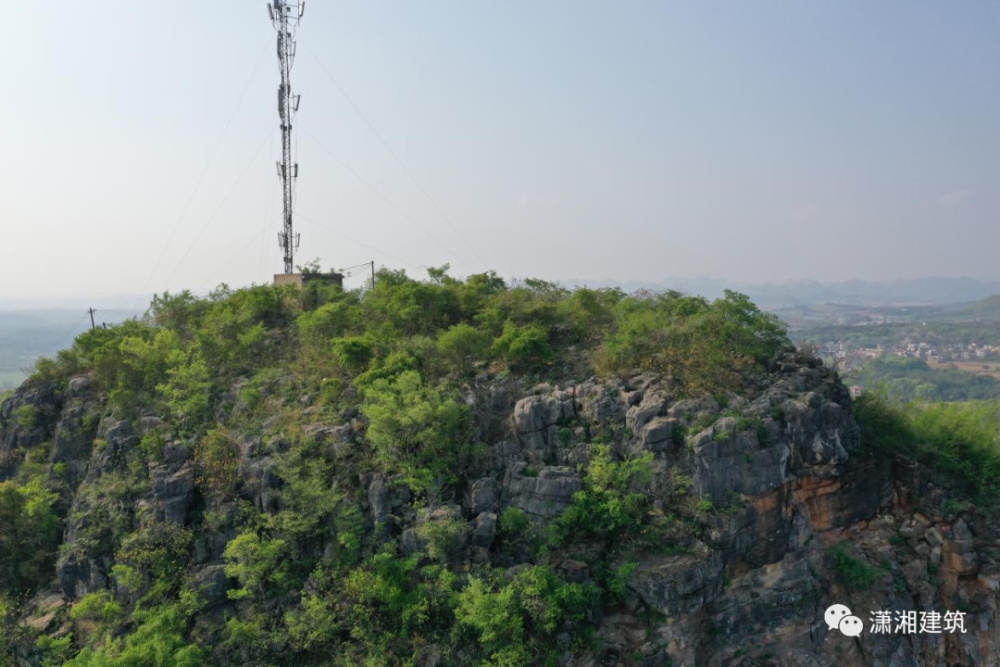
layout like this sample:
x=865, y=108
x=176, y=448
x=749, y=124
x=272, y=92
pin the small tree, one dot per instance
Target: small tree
x=414, y=428
x=461, y=345
x=524, y=345
x=218, y=461
x=255, y=563
x=353, y=354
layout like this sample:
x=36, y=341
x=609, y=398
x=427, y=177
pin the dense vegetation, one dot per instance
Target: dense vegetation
x=315, y=582
x=910, y=379
x=959, y=441
x=944, y=332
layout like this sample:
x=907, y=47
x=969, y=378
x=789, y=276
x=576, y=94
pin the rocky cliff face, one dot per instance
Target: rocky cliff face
x=761, y=489
x=752, y=589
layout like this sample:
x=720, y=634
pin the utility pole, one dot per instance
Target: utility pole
x=92, y=311
x=373, y=274
x=285, y=16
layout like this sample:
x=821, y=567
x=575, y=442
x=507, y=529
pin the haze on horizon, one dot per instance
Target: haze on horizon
x=565, y=140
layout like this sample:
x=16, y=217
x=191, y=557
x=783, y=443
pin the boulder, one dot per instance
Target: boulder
x=482, y=495
x=484, y=530
x=212, y=584
x=727, y=461
x=173, y=490
x=385, y=496
x=679, y=584
x=544, y=496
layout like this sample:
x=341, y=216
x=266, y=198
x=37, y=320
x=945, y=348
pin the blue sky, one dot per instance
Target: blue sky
x=744, y=141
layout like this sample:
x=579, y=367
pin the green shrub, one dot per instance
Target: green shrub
x=461, y=345
x=613, y=499
x=444, y=536
x=257, y=563
x=851, y=571
x=160, y=638
x=217, y=460
x=713, y=347
x=512, y=619
x=29, y=531
x=514, y=521
x=524, y=345
x=414, y=428
x=313, y=625
x=187, y=389
x=353, y=354
x=26, y=417
x=329, y=321
x=959, y=441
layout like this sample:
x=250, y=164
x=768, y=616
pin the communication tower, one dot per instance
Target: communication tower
x=286, y=16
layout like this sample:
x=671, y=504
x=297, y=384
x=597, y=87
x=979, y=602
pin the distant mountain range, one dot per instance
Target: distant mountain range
x=26, y=335
x=920, y=291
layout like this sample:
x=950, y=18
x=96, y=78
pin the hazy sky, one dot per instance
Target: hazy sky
x=635, y=140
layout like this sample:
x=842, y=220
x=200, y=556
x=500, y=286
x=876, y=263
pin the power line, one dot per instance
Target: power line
x=395, y=157
x=201, y=178
x=219, y=207
x=355, y=241
x=355, y=266
x=382, y=196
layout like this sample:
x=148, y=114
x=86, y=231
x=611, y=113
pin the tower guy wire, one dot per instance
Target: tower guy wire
x=201, y=178
x=357, y=242
x=385, y=198
x=219, y=207
x=395, y=156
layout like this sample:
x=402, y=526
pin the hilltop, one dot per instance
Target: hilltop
x=453, y=472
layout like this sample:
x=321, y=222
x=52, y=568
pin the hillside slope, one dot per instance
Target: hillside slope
x=451, y=473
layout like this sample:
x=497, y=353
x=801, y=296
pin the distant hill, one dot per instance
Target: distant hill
x=26, y=335
x=985, y=309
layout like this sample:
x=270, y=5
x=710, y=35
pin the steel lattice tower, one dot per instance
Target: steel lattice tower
x=285, y=16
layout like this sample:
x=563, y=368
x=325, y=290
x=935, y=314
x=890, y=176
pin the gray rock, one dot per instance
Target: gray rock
x=79, y=386
x=44, y=401
x=935, y=556
x=386, y=496
x=677, y=585
x=545, y=496
x=410, y=543
x=119, y=441
x=693, y=408
x=911, y=529
x=484, y=530
x=535, y=418
x=72, y=443
x=632, y=397
x=482, y=495
x=173, y=490
x=212, y=583
x=727, y=462
x=657, y=435
x=960, y=529
x=149, y=423
x=340, y=438
x=651, y=405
